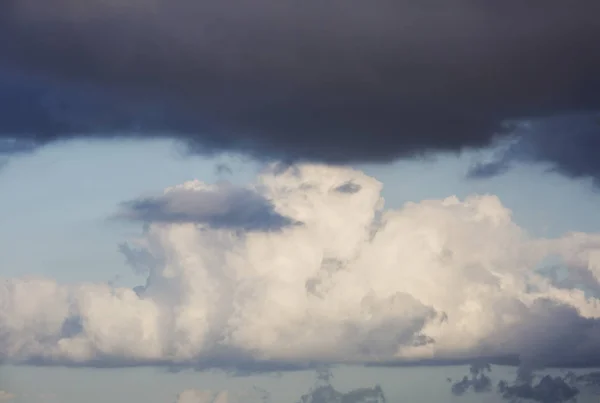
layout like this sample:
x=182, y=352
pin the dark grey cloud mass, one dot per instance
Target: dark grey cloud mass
x=567, y=144
x=332, y=80
x=223, y=206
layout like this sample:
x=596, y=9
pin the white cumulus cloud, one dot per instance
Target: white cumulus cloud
x=355, y=282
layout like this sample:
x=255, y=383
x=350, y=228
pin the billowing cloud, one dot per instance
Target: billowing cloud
x=217, y=206
x=333, y=81
x=434, y=280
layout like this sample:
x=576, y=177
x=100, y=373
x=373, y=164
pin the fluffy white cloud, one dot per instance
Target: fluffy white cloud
x=437, y=279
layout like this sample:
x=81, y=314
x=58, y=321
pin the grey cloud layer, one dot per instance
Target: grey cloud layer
x=331, y=80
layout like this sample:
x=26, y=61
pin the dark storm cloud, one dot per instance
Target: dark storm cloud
x=224, y=206
x=568, y=144
x=330, y=80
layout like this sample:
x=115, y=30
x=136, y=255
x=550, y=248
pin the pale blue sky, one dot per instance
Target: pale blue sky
x=55, y=204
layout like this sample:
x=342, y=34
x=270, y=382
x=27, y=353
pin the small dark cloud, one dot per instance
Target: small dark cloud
x=548, y=390
x=338, y=81
x=479, y=382
x=528, y=386
x=223, y=169
x=223, y=206
x=324, y=392
x=349, y=188
x=483, y=170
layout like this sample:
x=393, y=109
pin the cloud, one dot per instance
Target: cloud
x=321, y=392
x=339, y=81
x=324, y=392
x=565, y=144
x=5, y=396
x=348, y=187
x=217, y=206
x=438, y=280
x=479, y=381
x=548, y=390
x=223, y=169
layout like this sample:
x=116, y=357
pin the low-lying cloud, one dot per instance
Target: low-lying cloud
x=440, y=280
x=321, y=392
x=479, y=382
x=530, y=386
x=549, y=389
x=216, y=206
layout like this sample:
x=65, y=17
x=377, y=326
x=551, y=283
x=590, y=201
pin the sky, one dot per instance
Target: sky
x=62, y=208
x=315, y=202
